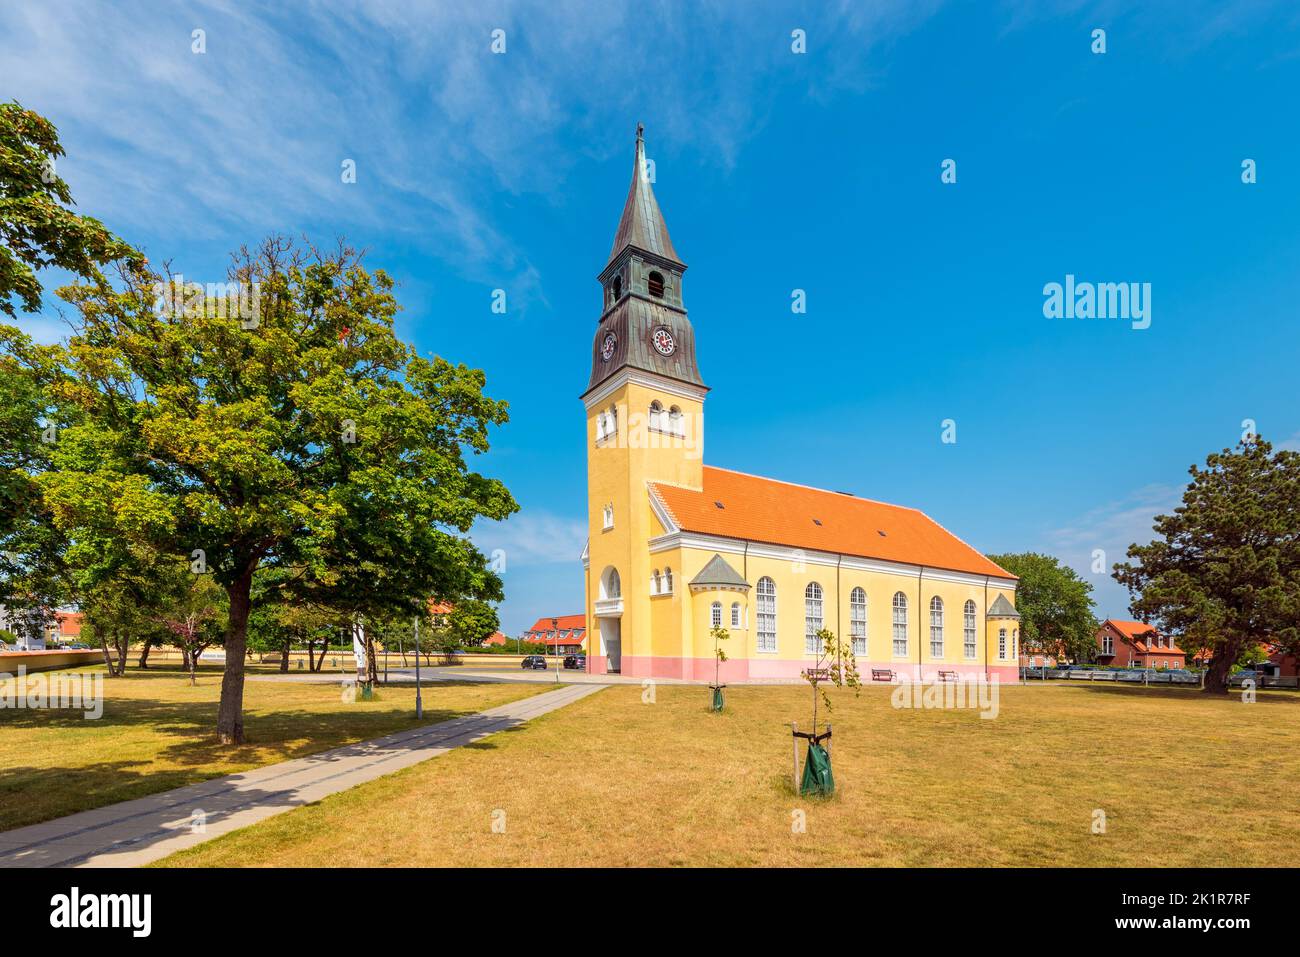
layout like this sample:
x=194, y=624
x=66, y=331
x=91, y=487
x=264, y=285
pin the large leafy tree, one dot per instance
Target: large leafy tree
x=1055, y=606
x=1224, y=575
x=303, y=435
x=37, y=229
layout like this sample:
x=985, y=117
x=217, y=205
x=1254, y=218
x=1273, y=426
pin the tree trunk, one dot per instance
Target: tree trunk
x=108, y=659
x=284, y=658
x=230, y=713
x=194, y=653
x=120, y=650
x=1216, y=675
x=372, y=667
x=144, y=654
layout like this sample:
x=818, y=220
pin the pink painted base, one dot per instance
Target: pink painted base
x=739, y=670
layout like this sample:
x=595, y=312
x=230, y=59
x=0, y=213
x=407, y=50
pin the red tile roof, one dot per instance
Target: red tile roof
x=563, y=622
x=780, y=513
x=1131, y=629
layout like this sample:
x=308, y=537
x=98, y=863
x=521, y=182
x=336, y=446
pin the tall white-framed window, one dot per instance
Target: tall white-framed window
x=936, y=627
x=668, y=581
x=900, y=625
x=1015, y=643
x=658, y=418
x=858, y=621
x=1002, y=644
x=655, y=582
x=607, y=517
x=812, y=618
x=715, y=615
x=736, y=618
x=968, y=628
x=766, y=592
x=676, y=425
x=1107, y=643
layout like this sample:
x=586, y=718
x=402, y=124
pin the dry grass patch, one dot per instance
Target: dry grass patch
x=157, y=733
x=1183, y=780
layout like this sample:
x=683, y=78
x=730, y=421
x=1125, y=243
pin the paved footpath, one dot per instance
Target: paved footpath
x=147, y=829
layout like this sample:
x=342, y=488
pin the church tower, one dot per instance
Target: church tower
x=645, y=423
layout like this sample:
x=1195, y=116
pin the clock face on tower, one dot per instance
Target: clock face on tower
x=663, y=341
x=607, y=346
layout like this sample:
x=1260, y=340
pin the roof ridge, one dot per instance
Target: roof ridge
x=814, y=488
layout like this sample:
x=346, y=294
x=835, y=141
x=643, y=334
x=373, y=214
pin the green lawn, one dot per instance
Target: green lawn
x=1183, y=780
x=157, y=733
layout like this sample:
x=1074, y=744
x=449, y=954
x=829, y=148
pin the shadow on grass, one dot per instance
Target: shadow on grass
x=32, y=793
x=143, y=828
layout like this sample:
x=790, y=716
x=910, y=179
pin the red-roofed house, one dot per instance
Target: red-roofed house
x=677, y=548
x=1132, y=644
x=566, y=637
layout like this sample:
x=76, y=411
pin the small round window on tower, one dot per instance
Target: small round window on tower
x=656, y=282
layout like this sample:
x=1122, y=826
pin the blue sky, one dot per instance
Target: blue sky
x=775, y=171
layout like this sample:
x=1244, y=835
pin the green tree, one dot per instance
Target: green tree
x=472, y=622
x=1224, y=575
x=1055, y=605
x=37, y=229
x=300, y=434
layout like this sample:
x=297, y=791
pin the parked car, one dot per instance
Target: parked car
x=533, y=663
x=575, y=662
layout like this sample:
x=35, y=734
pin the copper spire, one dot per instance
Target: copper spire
x=642, y=224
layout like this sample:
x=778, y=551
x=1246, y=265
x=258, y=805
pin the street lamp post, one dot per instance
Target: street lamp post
x=419, y=702
x=555, y=636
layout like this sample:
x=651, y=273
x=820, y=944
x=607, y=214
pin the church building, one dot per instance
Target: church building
x=677, y=547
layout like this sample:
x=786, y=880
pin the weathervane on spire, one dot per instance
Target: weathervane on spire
x=640, y=129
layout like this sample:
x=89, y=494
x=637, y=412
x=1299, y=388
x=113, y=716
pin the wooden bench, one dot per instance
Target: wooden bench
x=882, y=674
x=947, y=676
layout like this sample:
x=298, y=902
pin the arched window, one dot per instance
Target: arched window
x=675, y=421
x=657, y=415
x=617, y=288
x=602, y=425
x=900, y=625
x=607, y=516
x=655, y=281
x=735, y=614
x=610, y=586
x=968, y=628
x=858, y=620
x=1002, y=644
x=668, y=581
x=766, y=614
x=655, y=582
x=812, y=618
x=936, y=627
x=715, y=615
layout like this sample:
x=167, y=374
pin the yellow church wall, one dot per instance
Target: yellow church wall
x=837, y=584
x=618, y=468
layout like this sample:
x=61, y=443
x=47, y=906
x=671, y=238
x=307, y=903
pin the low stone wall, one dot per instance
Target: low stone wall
x=46, y=660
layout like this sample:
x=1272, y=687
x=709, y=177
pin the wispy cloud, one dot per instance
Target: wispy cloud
x=534, y=537
x=1111, y=528
x=250, y=135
